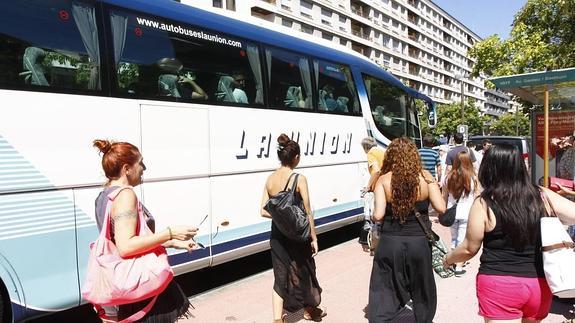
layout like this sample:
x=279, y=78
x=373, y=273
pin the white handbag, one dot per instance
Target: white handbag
x=558, y=255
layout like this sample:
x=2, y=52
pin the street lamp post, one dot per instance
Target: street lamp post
x=460, y=78
x=517, y=121
x=462, y=103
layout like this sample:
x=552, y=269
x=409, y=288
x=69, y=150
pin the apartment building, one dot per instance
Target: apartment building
x=416, y=40
x=496, y=102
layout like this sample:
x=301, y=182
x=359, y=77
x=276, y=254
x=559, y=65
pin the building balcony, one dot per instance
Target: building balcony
x=361, y=34
x=498, y=93
x=492, y=112
x=500, y=104
x=263, y=11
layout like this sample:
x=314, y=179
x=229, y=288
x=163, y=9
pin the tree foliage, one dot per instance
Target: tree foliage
x=127, y=74
x=449, y=117
x=506, y=125
x=542, y=37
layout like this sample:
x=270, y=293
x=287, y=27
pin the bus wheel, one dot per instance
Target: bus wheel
x=5, y=308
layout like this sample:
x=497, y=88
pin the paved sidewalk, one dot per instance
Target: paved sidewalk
x=343, y=272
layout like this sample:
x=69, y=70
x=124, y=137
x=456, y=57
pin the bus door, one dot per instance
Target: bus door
x=175, y=148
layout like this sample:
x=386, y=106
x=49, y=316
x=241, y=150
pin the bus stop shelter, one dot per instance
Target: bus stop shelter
x=546, y=88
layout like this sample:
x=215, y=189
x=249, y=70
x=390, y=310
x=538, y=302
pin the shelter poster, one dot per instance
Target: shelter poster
x=561, y=125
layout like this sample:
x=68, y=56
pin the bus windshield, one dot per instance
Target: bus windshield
x=388, y=106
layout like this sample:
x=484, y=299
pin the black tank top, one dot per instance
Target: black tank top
x=411, y=227
x=500, y=258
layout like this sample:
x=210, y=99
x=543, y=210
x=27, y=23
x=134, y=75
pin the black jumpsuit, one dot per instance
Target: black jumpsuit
x=402, y=269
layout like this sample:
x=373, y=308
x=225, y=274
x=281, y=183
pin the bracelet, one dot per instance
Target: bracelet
x=170, y=231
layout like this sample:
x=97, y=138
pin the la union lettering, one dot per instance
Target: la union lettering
x=314, y=143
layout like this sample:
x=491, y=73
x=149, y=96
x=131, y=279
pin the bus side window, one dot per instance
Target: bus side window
x=185, y=63
x=290, y=80
x=62, y=52
x=337, y=93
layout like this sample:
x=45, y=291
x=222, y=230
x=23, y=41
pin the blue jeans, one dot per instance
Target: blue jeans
x=458, y=230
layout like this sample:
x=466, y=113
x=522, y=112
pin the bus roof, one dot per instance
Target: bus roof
x=270, y=35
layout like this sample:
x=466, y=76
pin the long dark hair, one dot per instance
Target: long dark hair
x=508, y=191
x=461, y=176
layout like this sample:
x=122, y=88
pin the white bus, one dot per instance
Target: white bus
x=169, y=78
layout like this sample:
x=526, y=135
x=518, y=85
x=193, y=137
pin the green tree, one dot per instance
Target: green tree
x=449, y=117
x=506, y=125
x=542, y=36
x=423, y=115
x=127, y=74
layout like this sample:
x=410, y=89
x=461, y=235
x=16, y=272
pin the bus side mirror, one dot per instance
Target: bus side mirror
x=432, y=115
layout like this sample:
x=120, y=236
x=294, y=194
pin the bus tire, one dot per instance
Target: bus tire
x=5, y=305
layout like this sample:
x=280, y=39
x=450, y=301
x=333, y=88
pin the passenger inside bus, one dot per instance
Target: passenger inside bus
x=294, y=97
x=225, y=92
x=174, y=83
x=239, y=87
x=326, y=100
x=342, y=103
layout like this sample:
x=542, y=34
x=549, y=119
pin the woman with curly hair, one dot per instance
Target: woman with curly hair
x=402, y=263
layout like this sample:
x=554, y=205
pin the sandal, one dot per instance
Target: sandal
x=282, y=320
x=317, y=313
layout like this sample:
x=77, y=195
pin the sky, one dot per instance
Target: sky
x=484, y=17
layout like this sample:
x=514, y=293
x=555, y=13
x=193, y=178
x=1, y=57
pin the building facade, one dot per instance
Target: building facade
x=415, y=40
x=496, y=102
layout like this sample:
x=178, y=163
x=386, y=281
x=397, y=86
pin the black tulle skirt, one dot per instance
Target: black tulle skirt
x=295, y=279
x=171, y=305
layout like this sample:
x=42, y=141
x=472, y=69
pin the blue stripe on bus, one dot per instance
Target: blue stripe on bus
x=185, y=257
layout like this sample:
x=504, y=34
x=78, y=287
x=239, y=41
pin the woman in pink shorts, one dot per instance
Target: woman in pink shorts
x=511, y=284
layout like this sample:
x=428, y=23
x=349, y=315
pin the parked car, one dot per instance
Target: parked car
x=523, y=143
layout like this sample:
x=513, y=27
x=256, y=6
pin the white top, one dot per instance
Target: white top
x=240, y=96
x=464, y=204
x=479, y=157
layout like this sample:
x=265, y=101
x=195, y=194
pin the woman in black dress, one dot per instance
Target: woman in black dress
x=295, y=284
x=402, y=268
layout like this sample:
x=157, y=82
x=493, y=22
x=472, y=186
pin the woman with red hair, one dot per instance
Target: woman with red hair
x=124, y=167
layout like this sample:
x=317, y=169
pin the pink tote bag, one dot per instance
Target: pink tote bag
x=112, y=280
